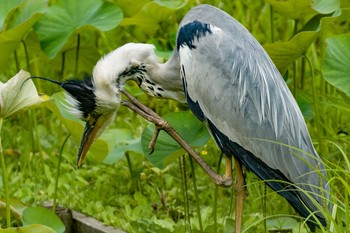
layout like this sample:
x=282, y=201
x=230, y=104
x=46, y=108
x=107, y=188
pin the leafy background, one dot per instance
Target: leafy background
x=121, y=184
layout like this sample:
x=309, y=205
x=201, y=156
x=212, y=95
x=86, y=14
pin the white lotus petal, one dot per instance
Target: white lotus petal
x=13, y=98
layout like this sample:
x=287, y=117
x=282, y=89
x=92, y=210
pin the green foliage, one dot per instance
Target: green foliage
x=293, y=9
x=281, y=223
x=66, y=17
x=17, y=208
x=14, y=30
x=152, y=13
x=336, y=69
x=124, y=142
x=7, y=7
x=285, y=53
x=34, y=228
x=326, y=6
x=41, y=215
x=14, y=99
x=307, y=40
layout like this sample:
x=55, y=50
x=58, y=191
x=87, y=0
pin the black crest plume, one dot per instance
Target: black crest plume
x=80, y=90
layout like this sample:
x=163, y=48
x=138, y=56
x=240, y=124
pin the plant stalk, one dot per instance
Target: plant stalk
x=184, y=187
x=54, y=205
x=295, y=82
x=317, y=115
x=264, y=207
x=131, y=171
x=29, y=68
x=77, y=56
x=232, y=201
x=196, y=196
x=5, y=181
x=31, y=133
x=215, y=207
x=63, y=63
x=272, y=39
x=302, y=76
x=16, y=59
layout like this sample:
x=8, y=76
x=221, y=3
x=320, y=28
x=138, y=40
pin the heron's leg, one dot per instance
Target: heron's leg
x=161, y=124
x=137, y=103
x=228, y=167
x=240, y=194
x=145, y=112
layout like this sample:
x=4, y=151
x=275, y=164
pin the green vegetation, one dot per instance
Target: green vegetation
x=309, y=42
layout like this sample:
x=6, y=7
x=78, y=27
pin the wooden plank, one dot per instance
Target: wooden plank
x=85, y=224
x=76, y=222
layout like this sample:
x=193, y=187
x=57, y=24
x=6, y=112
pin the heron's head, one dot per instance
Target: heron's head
x=97, y=111
x=97, y=100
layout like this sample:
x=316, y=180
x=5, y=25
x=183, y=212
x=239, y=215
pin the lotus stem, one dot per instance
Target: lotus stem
x=4, y=180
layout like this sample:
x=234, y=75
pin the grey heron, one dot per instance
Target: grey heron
x=231, y=85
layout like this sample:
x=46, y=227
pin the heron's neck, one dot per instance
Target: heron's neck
x=162, y=80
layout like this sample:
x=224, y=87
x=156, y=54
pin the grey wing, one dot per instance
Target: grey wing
x=239, y=90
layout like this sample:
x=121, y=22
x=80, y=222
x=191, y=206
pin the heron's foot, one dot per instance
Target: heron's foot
x=226, y=179
x=155, y=137
x=154, y=140
x=161, y=124
x=149, y=115
x=141, y=109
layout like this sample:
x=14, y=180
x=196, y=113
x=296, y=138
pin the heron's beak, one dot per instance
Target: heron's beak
x=89, y=136
x=93, y=128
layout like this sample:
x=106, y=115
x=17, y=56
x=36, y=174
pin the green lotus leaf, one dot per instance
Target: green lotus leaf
x=44, y=216
x=335, y=68
x=149, y=18
x=67, y=17
x=6, y=7
x=17, y=26
x=293, y=9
